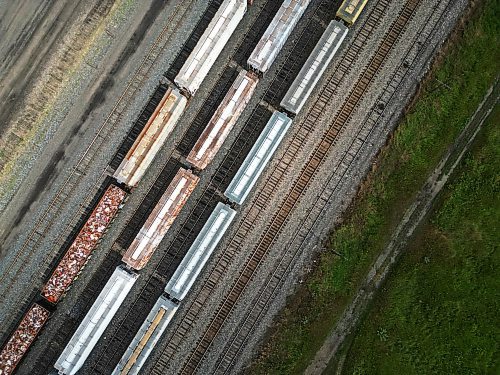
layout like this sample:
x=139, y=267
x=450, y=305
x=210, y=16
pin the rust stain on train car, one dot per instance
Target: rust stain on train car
x=151, y=138
x=160, y=220
x=223, y=120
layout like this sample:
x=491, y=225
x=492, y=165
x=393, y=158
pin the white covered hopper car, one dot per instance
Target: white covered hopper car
x=179, y=285
x=314, y=67
x=223, y=120
x=95, y=322
x=259, y=156
x=198, y=254
x=210, y=45
x=276, y=34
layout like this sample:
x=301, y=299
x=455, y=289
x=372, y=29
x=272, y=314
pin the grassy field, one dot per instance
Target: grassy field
x=438, y=313
x=468, y=68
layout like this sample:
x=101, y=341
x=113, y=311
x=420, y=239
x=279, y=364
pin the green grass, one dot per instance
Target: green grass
x=468, y=69
x=439, y=311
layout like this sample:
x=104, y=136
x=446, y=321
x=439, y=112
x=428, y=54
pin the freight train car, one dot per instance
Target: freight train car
x=95, y=322
x=198, y=254
x=160, y=219
x=22, y=338
x=151, y=138
x=350, y=10
x=314, y=67
x=210, y=45
x=146, y=338
x=259, y=156
x=277, y=34
x=85, y=242
x=223, y=120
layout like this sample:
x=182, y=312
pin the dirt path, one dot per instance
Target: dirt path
x=403, y=233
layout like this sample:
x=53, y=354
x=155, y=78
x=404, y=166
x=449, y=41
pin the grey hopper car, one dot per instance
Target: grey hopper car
x=314, y=67
x=276, y=34
x=259, y=156
x=198, y=254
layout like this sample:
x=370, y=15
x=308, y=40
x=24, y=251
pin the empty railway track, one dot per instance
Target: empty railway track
x=301, y=184
x=307, y=226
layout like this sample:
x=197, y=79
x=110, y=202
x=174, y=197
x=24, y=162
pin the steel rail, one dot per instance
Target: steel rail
x=306, y=228
x=55, y=206
x=300, y=185
x=260, y=202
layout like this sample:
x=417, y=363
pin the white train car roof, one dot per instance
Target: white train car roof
x=161, y=218
x=223, y=120
x=277, y=34
x=146, y=338
x=259, y=156
x=95, y=322
x=210, y=45
x=198, y=254
x=314, y=67
x=151, y=138
x=350, y=10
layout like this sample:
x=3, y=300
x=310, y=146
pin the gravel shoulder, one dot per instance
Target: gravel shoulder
x=86, y=106
x=30, y=32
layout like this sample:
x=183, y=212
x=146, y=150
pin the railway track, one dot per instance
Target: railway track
x=47, y=219
x=300, y=185
x=183, y=239
x=292, y=150
x=306, y=228
x=247, y=145
x=119, y=340
x=127, y=235
x=281, y=218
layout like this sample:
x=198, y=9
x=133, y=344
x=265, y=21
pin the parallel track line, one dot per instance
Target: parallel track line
x=300, y=186
x=306, y=228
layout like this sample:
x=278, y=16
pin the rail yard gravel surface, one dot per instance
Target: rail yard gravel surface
x=347, y=187
x=344, y=192
x=172, y=15
x=70, y=307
